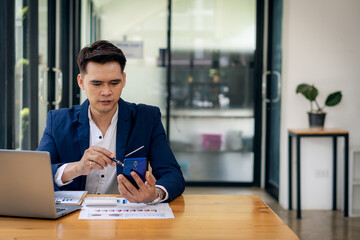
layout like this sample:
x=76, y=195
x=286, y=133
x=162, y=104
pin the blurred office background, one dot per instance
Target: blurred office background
x=211, y=108
x=223, y=72
x=204, y=86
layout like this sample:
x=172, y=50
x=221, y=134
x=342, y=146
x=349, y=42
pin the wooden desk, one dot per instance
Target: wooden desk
x=196, y=217
x=334, y=134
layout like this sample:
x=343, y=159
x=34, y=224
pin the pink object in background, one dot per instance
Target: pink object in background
x=211, y=141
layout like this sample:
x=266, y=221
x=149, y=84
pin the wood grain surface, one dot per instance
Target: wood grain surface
x=196, y=217
x=317, y=131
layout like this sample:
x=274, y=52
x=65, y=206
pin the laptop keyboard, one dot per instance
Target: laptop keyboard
x=59, y=209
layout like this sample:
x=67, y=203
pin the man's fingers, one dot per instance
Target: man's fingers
x=126, y=188
x=146, y=191
x=106, y=159
x=150, y=179
x=105, y=155
x=103, y=151
x=102, y=159
x=99, y=158
x=125, y=193
x=131, y=188
x=138, y=180
x=94, y=162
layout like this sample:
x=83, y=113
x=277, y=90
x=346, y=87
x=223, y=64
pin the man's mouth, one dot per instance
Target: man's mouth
x=105, y=102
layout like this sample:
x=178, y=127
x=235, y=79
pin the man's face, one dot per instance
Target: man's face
x=103, y=84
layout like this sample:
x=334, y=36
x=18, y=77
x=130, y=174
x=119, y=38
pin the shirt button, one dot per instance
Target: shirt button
x=102, y=176
x=100, y=137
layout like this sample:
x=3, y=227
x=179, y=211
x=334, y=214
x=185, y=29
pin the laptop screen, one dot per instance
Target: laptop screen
x=26, y=184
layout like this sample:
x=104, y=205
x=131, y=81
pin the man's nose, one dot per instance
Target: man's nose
x=106, y=90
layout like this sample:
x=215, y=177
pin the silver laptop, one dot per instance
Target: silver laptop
x=26, y=186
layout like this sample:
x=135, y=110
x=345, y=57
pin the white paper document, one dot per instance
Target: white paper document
x=126, y=210
x=70, y=197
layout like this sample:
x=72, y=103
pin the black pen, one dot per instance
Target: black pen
x=119, y=162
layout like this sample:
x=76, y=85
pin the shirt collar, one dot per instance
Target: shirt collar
x=114, y=118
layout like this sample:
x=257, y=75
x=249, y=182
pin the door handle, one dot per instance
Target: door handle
x=59, y=83
x=276, y=73
x=42, y=87
x=264, y=86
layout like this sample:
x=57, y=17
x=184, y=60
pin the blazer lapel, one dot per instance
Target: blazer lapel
x=83, y=127
x=122, y=132
x=83, y=132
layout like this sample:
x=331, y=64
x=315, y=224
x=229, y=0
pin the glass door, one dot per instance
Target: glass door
x=22, y=75
x=143, y=40
x=212, y=89
x=50, y=74
x=36, y=73
x=211, y=109
x=37, y=76
x=273, y=99
x=43, y=65
x=59, y=44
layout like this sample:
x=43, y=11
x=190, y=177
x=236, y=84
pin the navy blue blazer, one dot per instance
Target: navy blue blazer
x=66, y=137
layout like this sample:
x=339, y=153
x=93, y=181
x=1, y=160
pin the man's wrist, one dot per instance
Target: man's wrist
x=165, y=193
x=160, y=196
x=161, y=193
x=70, y=172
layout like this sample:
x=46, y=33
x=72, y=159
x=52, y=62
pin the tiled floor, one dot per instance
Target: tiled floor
x=314, y=225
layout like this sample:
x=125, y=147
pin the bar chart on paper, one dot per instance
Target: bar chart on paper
x=127, y=210
x=70, y=197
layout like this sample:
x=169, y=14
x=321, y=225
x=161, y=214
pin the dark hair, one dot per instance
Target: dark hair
x=101, y=52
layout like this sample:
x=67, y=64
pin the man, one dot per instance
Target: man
x=82, y=140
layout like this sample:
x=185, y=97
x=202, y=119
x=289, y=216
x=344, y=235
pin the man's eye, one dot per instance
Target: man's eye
x=115, y=83
x=96, y=84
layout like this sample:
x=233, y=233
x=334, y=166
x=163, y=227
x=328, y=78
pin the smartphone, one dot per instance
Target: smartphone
x=139, y=165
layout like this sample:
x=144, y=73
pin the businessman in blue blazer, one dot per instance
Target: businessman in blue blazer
x=83, y=140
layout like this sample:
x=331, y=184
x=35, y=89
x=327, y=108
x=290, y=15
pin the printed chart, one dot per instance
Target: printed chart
x=126, y=210
x=70, y=197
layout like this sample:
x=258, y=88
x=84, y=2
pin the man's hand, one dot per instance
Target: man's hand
x=94, y=158
x=146, y=192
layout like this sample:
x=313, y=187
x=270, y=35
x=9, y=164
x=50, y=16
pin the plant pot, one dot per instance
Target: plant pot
x=317, y=119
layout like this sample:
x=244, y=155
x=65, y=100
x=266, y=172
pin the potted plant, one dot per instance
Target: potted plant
x=317, y=114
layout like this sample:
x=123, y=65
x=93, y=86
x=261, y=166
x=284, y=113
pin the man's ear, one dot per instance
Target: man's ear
x=80, y=81
x=124, y=75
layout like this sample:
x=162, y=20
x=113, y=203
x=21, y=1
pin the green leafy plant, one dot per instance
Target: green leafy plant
x=310, y=92
x=216, y=72
x=24, y=113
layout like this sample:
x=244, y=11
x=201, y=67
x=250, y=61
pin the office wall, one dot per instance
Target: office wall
x=321, y=46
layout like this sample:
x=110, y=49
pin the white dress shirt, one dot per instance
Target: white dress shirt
x=101, y=181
